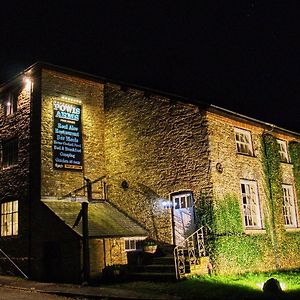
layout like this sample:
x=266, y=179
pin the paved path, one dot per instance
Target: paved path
x=72, y=290
x=8, y=293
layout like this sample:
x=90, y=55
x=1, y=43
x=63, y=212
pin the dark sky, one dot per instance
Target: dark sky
x=241, y=55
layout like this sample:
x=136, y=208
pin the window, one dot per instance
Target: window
x=11, y=102
x=133, y=244
x=9, y=218
x=243, y=141
x=289, y=207
x=183, y=200
x=9, y=153
x=250, y=202
x=284, y=156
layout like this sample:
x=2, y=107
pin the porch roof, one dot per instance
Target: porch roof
x=104, y=219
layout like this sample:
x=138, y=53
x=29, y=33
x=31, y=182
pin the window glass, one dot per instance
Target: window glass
x=243, y=141
x=283, y=151
x=250, y=202
x=11, y=102
x=9, y=153
x=183, y=200
x=289, y=207
x=133, y=244
x=9, y=218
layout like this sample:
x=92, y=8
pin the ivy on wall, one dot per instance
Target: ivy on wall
x=233, y=251
x=294, y=149
x=274, y=193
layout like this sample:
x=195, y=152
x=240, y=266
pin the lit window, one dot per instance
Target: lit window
x=250, y=202
x=243, y=141
x=11, y=102
x=289, y=207
x=10, y=153
x=133, y=244
x=284, y=156
x=9, y=218
x=183, y=200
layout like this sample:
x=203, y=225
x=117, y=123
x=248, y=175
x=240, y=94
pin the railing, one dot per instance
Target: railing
x=195, y=249
x=99, y=189
x=11, y=261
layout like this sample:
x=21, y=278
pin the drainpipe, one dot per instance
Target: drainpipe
x=85, y=233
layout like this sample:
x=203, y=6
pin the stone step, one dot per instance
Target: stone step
x=160, y=268
x=163, y=260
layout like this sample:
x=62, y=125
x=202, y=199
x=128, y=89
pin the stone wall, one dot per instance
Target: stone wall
x=104, y=255
x=158, y=146
x=14, y=180
x=55, y=85
x=244, y=250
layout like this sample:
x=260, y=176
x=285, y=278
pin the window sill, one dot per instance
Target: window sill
x=255, y=231
x=292, y=229
x=245, y=154
x=285, y=162
x=9, y=167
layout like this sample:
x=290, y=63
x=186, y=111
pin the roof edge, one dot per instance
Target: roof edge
x=102, y=79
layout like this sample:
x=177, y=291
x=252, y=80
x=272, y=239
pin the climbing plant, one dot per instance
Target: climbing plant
x=274, y=193
x=294, y=150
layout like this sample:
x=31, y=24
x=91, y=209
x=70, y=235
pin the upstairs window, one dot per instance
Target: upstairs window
x=289, y=207
x=250, y=203
x=9, y=218
x=283, y=151
x=11, y=102
x=10, y=153
x=243, y=141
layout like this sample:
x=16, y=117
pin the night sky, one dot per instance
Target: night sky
x=241, y=55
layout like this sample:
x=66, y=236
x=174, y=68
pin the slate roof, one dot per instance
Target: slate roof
x=104, y=219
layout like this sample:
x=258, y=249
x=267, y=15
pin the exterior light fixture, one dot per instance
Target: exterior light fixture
x=28, y=83
x=71, y=99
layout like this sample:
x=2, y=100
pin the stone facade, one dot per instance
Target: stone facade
x=147, y=146
x=15, y=180
x=57, y=183
x=226, y=184
x=158, y=146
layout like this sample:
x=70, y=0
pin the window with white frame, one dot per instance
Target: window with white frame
x=9, y=218
x=133, y=243
x=283, y=151
x=184, y=200
x=243, y=141
x=250, y=203
x=10, y=151
x=289, y=207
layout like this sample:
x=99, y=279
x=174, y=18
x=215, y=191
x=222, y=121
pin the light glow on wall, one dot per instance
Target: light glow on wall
x=28, y=83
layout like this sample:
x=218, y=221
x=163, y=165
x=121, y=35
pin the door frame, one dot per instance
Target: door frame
x=171, y=196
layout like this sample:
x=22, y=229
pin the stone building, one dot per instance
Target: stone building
x=160, y=166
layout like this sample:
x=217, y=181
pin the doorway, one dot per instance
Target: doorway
x=183, y=216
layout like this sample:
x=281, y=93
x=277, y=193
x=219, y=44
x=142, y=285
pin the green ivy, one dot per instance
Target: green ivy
x=242, y=253
x=274, y=193
x=227, y=215
x=294, y=149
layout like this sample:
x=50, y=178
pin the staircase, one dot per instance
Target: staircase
x=171, y=263
x=152, y=267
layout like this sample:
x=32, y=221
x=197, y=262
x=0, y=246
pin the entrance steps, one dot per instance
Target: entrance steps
x=160, y=266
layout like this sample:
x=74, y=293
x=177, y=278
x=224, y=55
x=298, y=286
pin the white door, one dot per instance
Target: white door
x=183, y=212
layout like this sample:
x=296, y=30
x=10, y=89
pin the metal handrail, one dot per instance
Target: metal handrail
x=74, y=192
x=11, y=261
x=193, y=252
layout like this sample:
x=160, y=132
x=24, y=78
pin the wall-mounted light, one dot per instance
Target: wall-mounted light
x=71, y=99
x=28, y=83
